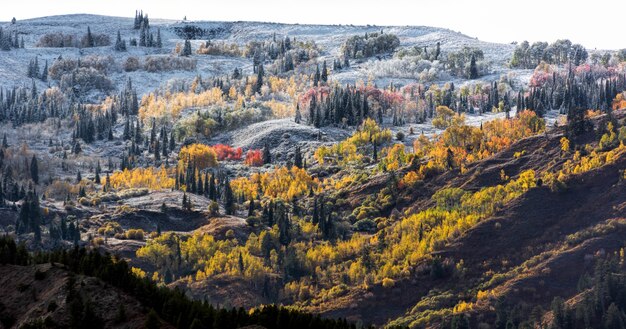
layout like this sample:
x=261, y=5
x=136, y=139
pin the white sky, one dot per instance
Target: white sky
x=596, y=24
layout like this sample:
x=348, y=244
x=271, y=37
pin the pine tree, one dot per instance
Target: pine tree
x=312, y=108
x=164, y=143
x=159, y=43
x=107, y=182
x=267, y=156
x=259, y=79
x=142, y=37
x=324, y=73
x=375, y=155
x=212, y=189
x=200, y=185
x=473, y=70
x=185, y=202
x=316, y=77
x=78, y=177
x=236, y=74
x=5, y=144
x=120, y=45
x=63, y=228
x=186, y=49
x=34, y=170
x=241, y=264
x=90, y=40
x=284, y=227
x=449, y=158
x=297, y=159
x=172, y=141
x=229, y=198
x=44, y=73
x=97, y=176
x=298, y=116
x=157, y=150
x=77, y=149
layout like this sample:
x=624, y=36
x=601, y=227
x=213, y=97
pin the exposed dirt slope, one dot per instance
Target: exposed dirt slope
x=29, y=293
x=541, y=222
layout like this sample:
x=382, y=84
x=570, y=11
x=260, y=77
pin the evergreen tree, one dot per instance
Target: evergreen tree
x=312, y=108
x=259, y=79
x=164, y=143
x=63, y=228
x=120, y=45
x=212, y=189
x=324, y=73
x=157, y=150
x=186, y=49
x=229, y=198
x=97, y=176
x=236, y=74
x=186, y=203
x=316, y=77
x=159, y=42
x=449, y=158
x=241, y=264
x=284, y=228
x=375, y=155
x=44, y=73
x=90, y=39
x=107, y=183
x=172, y=141
x=200, y=185
x=473, y=70
x=267, y=156
x=77, y=149
x=298, y=158
x=298, y=116
x=34, y=170
x=143, y=37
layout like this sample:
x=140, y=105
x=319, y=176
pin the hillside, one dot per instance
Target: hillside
x=40, y=293
x=328, y=37
x=530, y=251
x=232, y=174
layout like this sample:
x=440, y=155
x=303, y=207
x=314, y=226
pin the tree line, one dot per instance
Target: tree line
x=171, y=305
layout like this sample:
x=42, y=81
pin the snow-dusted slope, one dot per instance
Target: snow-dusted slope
x=13, y=64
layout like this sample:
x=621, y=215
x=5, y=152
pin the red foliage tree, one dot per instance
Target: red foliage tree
x=225, y=152
x=254, y=158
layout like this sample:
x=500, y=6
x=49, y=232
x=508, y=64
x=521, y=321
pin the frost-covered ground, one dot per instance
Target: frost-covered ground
x=283, y=133
x=14, y=63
